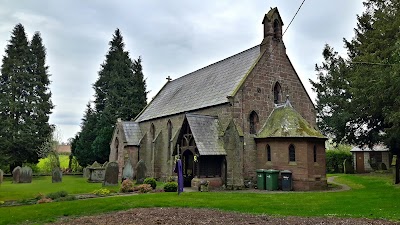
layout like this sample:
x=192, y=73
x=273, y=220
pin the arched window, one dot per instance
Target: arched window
x=253, y=122
x=277, y=93
x=169, y=127
x=277, y=29
x=116, y=148
x=152, y=132
x=268, y=153
x=292, y=153
x=315, y=153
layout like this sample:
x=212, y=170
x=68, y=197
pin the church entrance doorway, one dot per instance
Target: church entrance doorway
x=187, y=167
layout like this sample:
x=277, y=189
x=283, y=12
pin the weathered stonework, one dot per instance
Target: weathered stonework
x=257, y=93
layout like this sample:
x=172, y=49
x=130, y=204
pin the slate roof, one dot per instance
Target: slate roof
x=375, y=148
x=284, y=121
x=132, y=132
x=205, y=133
x=205, y=87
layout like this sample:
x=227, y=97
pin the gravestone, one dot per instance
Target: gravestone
x=56, y=175
x=16, y=174
x=127, y=172
x=111, y=174
x=86, y=172
x=96, y=172
x=348, y=166
x=141, y=171
x=1, y=176
x=105, y=164
x=26, y=175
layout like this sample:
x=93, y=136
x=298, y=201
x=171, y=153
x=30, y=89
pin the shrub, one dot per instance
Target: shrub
x=334, y=160
x=101, y=192
x=66, y=198
x=126, y=186
x=151, y=181
x=171, y=187
x=144, y=188
x=56, y=195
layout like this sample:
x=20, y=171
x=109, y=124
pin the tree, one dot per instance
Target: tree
x=82, y=145
x=120, y=92
x=371, y=79
x=23, y=94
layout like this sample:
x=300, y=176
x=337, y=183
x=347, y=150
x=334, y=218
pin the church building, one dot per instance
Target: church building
x=246, y=112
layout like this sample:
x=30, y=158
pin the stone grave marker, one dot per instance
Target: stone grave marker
x=105, y=164
x=16, y=174
x=127, y=172
x=1, y=176
x=111, y=174
x=26, y=175
x=141, y=171
x=348, y=166
x=86, y=172
x=56, y=175
x=96, y=172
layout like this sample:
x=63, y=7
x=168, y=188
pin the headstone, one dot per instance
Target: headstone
x=1, y=176
x=86, y=172
x=56, y=175
x=16, y=174
x=141, y=171
x=26, y=175
x=348, y=166
x=127, y=172
x=111, y=174
x=105, y=164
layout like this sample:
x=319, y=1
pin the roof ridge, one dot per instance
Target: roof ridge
x=215, y=63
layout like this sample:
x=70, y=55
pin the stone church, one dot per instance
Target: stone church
x=246, y=112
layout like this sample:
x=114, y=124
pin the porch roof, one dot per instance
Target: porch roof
x=375, y=148
x=205, y=133
x=132, y=132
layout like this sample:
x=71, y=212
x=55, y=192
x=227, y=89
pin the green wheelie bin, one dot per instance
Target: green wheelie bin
x=271, y=179
x=261, y=179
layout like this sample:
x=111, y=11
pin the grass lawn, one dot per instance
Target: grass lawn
x=370, y=197
x=43, y=185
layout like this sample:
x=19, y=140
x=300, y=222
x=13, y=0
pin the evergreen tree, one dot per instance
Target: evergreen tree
x=23, y=116
x=82, y=144
x=332, y=96
x=371, y=79
x=120, y=92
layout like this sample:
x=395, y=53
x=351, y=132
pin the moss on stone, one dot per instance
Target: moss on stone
x=284, y=121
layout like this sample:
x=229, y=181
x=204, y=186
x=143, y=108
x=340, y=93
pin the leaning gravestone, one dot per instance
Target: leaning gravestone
x=141, y=170
x=1, y=176
x=16, y=174
x=127, y=172
x=111, y=174
x=56, y=175
x=26, y=175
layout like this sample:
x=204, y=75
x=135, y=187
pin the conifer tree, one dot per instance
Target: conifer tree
x=370, y=79
x=120, y=92
x=23, y=94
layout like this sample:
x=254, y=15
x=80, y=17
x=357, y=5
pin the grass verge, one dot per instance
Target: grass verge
x=373, y=197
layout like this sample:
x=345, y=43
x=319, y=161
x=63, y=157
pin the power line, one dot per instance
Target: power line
x=293, y=17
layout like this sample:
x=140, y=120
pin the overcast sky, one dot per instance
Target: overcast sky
x=173, y=38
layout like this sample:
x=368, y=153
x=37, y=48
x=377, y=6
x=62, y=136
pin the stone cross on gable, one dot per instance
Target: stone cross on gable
x=169, y=78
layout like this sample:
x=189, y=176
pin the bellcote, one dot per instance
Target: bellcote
x=272, y=26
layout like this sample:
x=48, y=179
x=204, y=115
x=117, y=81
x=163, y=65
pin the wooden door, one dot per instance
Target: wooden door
x=360, y=162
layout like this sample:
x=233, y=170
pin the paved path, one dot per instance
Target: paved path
x=343, y=187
